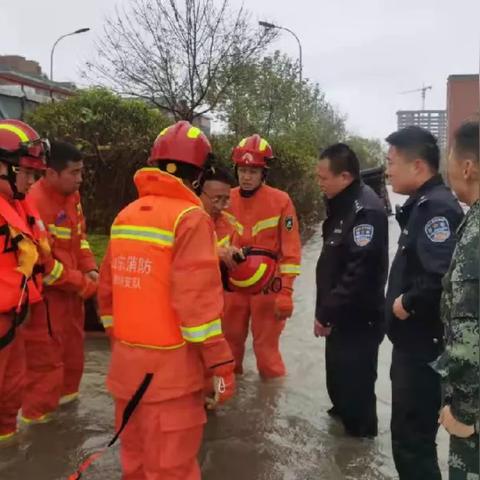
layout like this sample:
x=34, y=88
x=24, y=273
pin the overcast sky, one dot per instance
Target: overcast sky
x=363, y=53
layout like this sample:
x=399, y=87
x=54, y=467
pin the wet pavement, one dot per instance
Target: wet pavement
x=276, y=430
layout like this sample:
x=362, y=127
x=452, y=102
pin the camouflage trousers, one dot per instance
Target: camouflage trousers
x=464, y=459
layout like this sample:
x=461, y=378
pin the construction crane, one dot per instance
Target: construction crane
x=424, y=93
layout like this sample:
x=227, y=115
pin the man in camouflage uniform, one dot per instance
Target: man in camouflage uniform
x=459, y=365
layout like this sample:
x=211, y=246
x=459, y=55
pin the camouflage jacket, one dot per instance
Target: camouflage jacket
x=459, y=365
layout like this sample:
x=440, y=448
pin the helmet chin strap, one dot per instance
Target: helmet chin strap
x=198, y=183
x=249, y=193
x=11, y=178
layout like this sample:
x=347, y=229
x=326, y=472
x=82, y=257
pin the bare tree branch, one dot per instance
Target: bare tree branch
x=181, y=55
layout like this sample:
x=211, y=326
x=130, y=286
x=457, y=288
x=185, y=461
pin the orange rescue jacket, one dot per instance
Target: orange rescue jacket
x=16, y=223
x=160, y=291
x=224, y=229
x=65, y=223
x=268, y=220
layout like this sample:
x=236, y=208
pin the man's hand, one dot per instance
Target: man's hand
x=398, y=309
x=226, y=256
x=224, y=389
x=89, y=288
x=284, y=304
x=453, y=426
x=93, y=275
x=321, y=331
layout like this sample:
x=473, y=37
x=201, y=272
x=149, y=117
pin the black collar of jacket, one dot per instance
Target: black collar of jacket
x=403, y=213
x=344, y=200
x=424, y=189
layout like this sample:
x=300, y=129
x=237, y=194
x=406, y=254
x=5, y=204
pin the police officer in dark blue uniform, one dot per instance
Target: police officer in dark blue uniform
x=351, y=277
x=428, y=221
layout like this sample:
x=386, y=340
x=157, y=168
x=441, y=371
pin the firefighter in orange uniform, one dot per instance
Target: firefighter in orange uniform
x=161, y=301
x=264, y=218
x=54, y=375
x=23, y=246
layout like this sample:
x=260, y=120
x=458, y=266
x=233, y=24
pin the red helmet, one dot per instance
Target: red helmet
x=181, y=142
x=253, y=274
x=252, y=151
x=20, y=145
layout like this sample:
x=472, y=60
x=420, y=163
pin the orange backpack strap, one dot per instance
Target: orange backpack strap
x=11, y=216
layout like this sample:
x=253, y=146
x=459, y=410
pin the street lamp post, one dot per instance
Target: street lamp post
x=81, y=30
x=269, y=26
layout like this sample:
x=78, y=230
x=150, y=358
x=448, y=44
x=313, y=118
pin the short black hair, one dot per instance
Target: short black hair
x=61, y=153
x=466, y=141
x=219, y=174
x=416, y=142
x=342, y=159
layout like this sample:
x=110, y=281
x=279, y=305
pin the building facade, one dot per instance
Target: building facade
x=463, y=101
x=23, y=86
x=433, y=120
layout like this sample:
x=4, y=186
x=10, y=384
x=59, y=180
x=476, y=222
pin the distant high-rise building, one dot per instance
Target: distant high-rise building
x=433, y=120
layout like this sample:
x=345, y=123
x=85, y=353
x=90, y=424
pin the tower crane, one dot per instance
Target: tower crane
x=424, y=93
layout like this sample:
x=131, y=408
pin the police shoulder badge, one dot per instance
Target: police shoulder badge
x=438, y=230
x=289, y=223
x=363, y=234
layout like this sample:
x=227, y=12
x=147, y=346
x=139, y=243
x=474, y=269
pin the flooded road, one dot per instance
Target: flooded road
x=276, y=430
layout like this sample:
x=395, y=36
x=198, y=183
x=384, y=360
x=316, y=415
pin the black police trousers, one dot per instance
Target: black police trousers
x=416, y=400
x=351, y=366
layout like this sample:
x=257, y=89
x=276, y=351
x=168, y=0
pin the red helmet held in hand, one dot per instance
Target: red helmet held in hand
x=254, y=273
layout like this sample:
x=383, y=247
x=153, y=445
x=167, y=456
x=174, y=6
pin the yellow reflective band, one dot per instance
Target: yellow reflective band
x=234, y=223
x=107, y=321
x=224, y=242
x=7, y=436
x=290, y=268
x=153, y=347
x=180, y=216
x=253, y=279
x=42, y=419
x=17, y=131
x=146, y=170
x=68, y=398
x=242, y=142
x=263, y=145
x=64, y=233
x=84, y=245
x=142, y=234
x=193, y=132
x=54, y=275
x=202, y=332
x=264, y=224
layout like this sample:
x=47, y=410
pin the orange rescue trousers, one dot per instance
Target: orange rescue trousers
x=44, y=368
x=162, y=439
x=266, y=331
x=54, y=343
x=12, y=379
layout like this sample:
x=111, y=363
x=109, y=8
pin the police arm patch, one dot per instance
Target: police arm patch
x=363, y=234
x=289, y=223
x=438, y=230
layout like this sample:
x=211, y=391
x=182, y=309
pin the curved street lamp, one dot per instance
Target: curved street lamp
x=76, y=32
x=270, y=26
